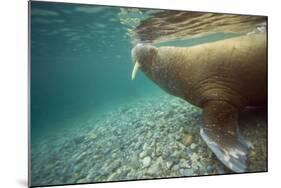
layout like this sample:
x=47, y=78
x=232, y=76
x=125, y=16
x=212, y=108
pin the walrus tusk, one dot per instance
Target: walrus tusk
x=135, y=70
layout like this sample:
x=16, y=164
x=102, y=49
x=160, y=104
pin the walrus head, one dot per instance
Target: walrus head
x=143, y=55
x=148, y=58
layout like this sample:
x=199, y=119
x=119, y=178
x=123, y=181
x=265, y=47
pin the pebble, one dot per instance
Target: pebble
x=186, y=139
x=169, y=164
x=150, y=123
x=186, y=129
x=158, y=151
x=145, y=146
x=210, y=168
x=137, y=146
x=81, y=157
x=114, y=165
x=84, y=180
x=194, y=158
x=178, y=137
x=193, y=146
x=148, y=135
x=153, y=170
x=184, y=163
x=146, y=161
x=113, y=176
x=175, y=167
x=142, y=154
x=186, y=172
x=92, y=136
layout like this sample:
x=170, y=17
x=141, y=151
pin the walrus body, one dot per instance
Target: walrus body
x=222, y=78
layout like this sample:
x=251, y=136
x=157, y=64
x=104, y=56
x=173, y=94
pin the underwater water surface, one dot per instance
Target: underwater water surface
x=91, y=123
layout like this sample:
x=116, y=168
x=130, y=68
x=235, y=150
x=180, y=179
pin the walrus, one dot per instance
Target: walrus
x=221, y=77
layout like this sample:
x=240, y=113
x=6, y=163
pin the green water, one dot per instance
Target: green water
x=81, y=62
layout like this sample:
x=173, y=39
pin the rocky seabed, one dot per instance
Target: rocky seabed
x=147, y=139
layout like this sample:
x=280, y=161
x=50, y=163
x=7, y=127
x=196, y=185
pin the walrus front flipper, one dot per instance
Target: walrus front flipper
x=220, y=132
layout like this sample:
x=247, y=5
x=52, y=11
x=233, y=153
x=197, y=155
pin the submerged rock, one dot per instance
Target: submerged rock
x=138, y=146
x=158, y=151
x=186, y=139
x=193, y=146
x=175, y=167
x=194, y=158
x=186, y=172
x=113, y=177
x=184, y=163
x=146, y=161
x=154, y=170
x=83, y=180
x=114, y=165
x=145, y=146
x=92, y=136
x=169, y=164
x=81, y=157
x=142, y=154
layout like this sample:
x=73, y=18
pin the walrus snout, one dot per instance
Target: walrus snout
x=141, y=54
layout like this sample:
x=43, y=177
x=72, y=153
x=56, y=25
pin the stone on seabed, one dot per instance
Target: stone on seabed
x=187, y=139
x=193, y=146
x=146, y=161
x=142, y=154
x=153, y=169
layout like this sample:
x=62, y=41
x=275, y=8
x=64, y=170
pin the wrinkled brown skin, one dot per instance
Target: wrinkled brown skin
x=222, y=78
